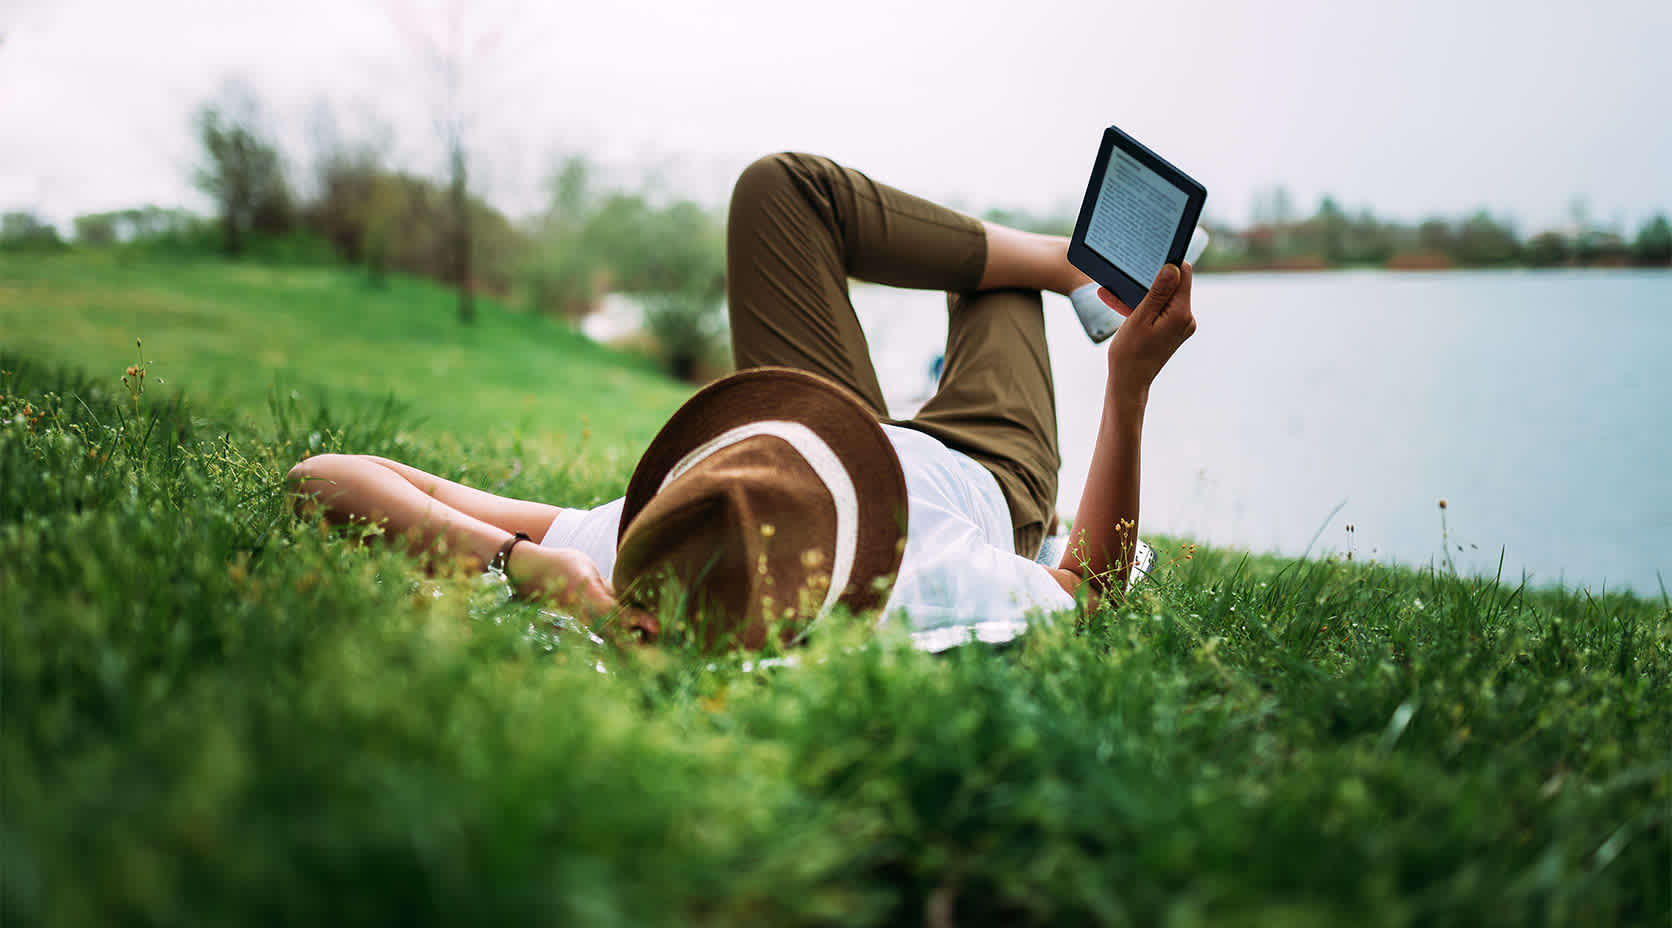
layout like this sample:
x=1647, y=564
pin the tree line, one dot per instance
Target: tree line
x=1331, y=237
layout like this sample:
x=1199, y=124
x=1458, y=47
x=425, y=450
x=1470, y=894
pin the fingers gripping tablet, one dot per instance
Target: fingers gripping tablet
x=1139, y=213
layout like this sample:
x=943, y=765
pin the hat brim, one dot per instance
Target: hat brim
x=837, y=417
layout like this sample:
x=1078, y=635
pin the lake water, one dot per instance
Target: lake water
x=1537, y=404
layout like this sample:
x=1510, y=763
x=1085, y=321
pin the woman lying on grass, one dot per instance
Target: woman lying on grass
x=784, y=490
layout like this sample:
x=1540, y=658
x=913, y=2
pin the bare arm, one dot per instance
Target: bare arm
x=439, y=518
x=1106, y=525
x=432, y=514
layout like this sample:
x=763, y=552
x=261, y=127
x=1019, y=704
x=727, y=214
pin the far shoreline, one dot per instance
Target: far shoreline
x=1398, y=265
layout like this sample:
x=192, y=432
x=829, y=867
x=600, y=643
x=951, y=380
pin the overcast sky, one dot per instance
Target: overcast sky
x=1411, y=108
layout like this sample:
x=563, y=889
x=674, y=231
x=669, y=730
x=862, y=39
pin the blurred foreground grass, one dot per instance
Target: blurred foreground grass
x=210, y=712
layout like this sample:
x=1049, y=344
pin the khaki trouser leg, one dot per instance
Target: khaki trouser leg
x=997, y=403
x=800, y=226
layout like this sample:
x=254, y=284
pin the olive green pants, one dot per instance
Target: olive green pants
x=800, y=226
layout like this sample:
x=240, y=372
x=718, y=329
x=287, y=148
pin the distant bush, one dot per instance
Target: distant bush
x=96, y=229
x=1654, y=242
x=145, y=225
x=192, y=237
x=671, y=254
x=1600, y=247
x=689, y=328
x=1547, y=249
x=1485, y=242
x=151, y=231
x=385, y=220
x=242, y=171
x=21, y=230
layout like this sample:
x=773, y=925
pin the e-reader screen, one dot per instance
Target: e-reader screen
x=1136, y=216
x=1139, y=213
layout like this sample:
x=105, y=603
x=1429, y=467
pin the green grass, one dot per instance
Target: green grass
x=239, y=335
x=211, y=712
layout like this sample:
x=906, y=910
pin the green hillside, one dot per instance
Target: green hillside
x=212, y=712
x=231, y=333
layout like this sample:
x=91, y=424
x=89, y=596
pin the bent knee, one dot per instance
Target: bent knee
x=305, y=476
x=770, y=173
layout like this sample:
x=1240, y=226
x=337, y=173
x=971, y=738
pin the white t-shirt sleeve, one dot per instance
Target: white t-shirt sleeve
x=591, y=531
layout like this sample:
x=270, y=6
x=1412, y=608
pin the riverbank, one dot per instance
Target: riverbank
x=1430, y=261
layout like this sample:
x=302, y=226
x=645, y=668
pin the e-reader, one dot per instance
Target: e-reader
x=1139, y=213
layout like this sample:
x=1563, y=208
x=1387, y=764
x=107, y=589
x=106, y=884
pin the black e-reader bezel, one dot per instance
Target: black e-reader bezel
x=1083, y=256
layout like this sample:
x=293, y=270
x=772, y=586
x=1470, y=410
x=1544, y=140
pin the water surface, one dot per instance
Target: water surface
x=1537, y=404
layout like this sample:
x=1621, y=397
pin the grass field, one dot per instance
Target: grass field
x=234, y=337
x=211, y=712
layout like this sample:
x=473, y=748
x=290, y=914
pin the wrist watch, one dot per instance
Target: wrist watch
x=503, y=555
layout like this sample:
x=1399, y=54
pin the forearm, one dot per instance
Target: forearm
x=1027, y=260
x=437, y=517
x=1106, y=524
x=362, y=489
x=513, y=515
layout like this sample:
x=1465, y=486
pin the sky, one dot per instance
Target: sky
x=1531, y=110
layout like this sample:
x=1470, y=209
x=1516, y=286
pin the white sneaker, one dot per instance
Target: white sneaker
x=1143, y=559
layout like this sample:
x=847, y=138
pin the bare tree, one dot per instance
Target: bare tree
x=243, y=170
x=350, y=185
x=454, y=54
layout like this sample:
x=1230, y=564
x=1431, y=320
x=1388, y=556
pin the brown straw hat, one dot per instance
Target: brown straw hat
x=770, y=497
